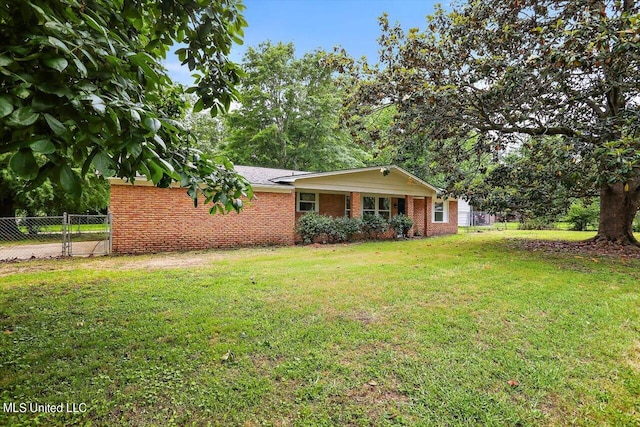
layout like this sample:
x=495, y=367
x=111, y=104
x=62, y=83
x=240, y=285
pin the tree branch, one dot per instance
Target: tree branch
x=537, y=131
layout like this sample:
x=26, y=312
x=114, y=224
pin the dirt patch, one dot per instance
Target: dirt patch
x=587, y=248
x=169, y=260
x=634, y=357
x=107, y=263
x=377, y=392
x=381, y=399
x=179, y=260
x=365, y=318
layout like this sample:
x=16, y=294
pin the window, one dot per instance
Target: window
x=376, y=205
x=368, y=206
x=347, y=206
x=384, y=207
x=440, y=213
x=307, y=202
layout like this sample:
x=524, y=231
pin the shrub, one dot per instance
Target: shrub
x=401, y=224
x=312, y=226
x=345, y=228
x=374, y=225
x=636, y=223
x=583, y=217
x=536, y=224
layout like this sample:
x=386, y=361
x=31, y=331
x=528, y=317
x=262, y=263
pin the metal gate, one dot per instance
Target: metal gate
x=85, y=235
x=54, y=236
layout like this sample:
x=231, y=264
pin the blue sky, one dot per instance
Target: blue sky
x=312, y=24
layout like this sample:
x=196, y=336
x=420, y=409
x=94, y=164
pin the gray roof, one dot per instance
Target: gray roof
x=383, y=169
x=286, y=177
x=265, y=176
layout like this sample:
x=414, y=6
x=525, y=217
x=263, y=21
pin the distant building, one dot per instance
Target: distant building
x=468, y=216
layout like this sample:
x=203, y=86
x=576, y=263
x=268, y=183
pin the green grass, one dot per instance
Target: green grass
x=461, y=330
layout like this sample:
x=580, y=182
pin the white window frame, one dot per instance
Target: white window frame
x=347, y=205
x=316, y=202
x=377, y=210
x=445, y=211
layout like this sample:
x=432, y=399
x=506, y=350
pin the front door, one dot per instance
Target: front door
x=402, y=208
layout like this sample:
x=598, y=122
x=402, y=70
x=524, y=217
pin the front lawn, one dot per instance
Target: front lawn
x=464, y=330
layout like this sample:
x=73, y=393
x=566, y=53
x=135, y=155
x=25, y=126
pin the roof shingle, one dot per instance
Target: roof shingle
x=258, y=175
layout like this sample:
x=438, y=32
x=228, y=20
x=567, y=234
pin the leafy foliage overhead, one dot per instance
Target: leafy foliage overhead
x=495, y=73
x=47, y=199
x=78, y=77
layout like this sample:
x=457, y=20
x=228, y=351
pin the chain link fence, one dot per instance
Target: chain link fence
x=88, y=235
x=478, y=221
x=54, y=236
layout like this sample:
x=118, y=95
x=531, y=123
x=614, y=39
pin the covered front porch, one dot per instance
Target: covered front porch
x=385, y=191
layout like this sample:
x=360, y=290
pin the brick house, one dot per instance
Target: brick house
x=151, y=219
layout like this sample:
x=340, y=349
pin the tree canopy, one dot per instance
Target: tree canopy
x=79, y=78
x=289, y=113
x=494, y=74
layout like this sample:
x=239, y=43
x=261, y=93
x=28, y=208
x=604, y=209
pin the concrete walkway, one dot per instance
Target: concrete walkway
x=50, y=250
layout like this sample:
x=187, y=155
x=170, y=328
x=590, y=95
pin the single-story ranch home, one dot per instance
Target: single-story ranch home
x=151, y=219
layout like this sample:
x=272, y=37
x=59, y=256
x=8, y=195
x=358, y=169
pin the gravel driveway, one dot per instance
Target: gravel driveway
x=50, y=250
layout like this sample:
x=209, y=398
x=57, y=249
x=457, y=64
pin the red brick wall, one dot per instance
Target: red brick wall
x=150, y=219
x=356, y=205
x=418, y=217
x=331, y=204
x=440, y=228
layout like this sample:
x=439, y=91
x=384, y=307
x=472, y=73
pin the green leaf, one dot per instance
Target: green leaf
x=43, y=146
x=70, y=181
x=93, y=23
x=5, y=60
x=155, y=171
x=104, y=164
x=43, y=102
x=89, y=57
x=199, y=106
x=181, y=53
x=22, y=92
x=52, y=41
x=135, y=149
x=23, y=117
x=193, y=193
x=82, y=70
x=24, y=164
x=159, y=142
x=58, y=64
x=115, y=120
x=6, y=106
x=56, y=90
x=97, y=103
x=56, y=126
x=172, y=125
x=143, y=60
x=152, y=124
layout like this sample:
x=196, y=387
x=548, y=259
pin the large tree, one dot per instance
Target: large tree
x=507, y=72
x=79, y=79
x=289, y=111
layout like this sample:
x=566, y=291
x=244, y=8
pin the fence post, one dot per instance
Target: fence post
x=110, y=219
x=64, y=234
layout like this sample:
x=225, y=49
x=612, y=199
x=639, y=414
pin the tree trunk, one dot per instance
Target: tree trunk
x=618, y=208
